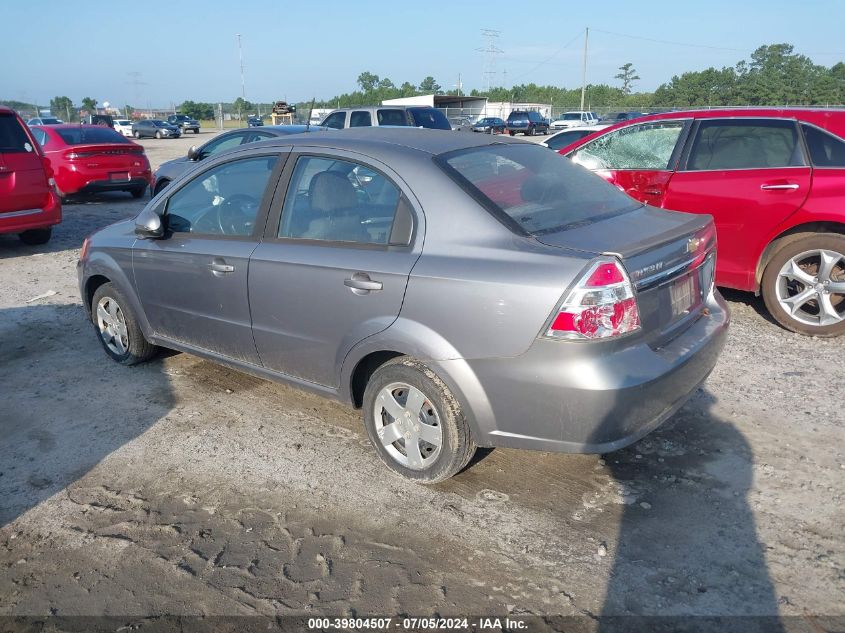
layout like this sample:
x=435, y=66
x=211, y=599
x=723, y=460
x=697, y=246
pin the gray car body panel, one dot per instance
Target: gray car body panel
x=472, y=299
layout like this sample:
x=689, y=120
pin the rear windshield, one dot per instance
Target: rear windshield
x=572, y=116
x=533, y=190
x=12, y=136
x=513, y=116
x=430, y=118
x=90, y=135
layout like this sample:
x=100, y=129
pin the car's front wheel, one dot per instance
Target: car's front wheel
x=117, y=327
x=804, y=285
x=158, y=135
x=136, y=134
x=415, y=422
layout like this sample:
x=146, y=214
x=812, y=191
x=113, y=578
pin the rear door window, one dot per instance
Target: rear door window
x=338, y=201
x=430, y=118
x=745, y=144
x=532, y=190
x=13, y=139
x=360, y=118
x=826, y=150
x=642, y=147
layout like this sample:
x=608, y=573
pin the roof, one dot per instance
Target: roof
x=827, y=118
x=423, y=140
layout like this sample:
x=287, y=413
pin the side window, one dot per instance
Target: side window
x=335, y=120
x=223, y=200
x=360, y=118
x=392, y=117
x=40, y=136
x=826, y=150
x=647, y=146
x=745, y=144
x=218, y=145
x=12, y=136
x=339, y=201
x=259, y=136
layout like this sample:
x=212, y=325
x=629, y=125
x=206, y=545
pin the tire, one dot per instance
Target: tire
x=125, y=345
x=196, y=131
x=403, y=378
x=158, y=135
x=34, y=237
x=136, y=134
x=137, y=192
x=161, y=184
x=511, y=133
x=799, y=293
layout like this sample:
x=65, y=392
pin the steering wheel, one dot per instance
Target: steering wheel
x=236, y=215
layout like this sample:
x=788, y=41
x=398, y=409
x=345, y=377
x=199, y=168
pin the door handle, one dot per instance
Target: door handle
x=220, y=267
x=653, y=191
x=779, y=187
x=360, y=283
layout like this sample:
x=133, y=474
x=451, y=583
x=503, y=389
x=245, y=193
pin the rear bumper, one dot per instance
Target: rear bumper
x=27, y=219
x=586, y=398
x=81, y=180
x=97, y=186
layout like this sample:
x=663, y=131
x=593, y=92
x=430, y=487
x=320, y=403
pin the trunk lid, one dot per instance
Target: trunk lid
x=107, y=156
x=669, y=257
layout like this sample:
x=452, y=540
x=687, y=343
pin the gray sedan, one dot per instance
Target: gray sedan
x=463, y=290
x=171, y=169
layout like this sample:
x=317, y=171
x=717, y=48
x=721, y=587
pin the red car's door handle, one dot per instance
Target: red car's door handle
x=779, y=187
x=653, y=191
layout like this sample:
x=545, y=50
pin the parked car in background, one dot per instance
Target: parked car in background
x=123, y=126
x=773, y=179
x=567, y=137
x=490, y=125
x=606, y=317
x=172, y=169
x=184, y=123
x=527, y=122
x=412, y=116
x=461, y=123
x=105, y=120
x=45, y=120
x=254, y=121
x=618, y=117
x=154, y=128
x=92, y=159
x=28, y=204
x=576, y=118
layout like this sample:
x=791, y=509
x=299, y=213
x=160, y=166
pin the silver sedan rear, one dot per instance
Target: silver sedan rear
x=462, y=290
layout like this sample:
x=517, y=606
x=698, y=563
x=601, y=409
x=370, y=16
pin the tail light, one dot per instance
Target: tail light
x=48, y=168
x=77, y=155
x=601, y=305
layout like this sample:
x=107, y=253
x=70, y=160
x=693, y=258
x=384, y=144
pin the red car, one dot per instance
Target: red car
x=93, y=158
x=774, y=181
x=28, y=204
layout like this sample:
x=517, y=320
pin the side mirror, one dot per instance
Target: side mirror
x=148, y=225
x=193, y=153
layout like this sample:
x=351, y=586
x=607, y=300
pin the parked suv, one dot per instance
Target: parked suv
x=28, y=204
x=576, y=118
x=406, y=116
x=527, y=122
x=184, y=123
x=773, y=179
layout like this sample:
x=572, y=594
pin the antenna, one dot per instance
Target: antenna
x=490, y=51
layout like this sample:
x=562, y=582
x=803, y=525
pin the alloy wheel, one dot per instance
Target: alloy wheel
x=811, y=287
x=112, y=325
x=408, y=426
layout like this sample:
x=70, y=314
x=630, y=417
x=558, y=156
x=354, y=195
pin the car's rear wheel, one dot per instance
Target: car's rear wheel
x=804, y=285
x=117, y=327
x=136, y=134
x=415, y=422
x=529, y=131
x=34, y=237
x=512, y=133
x=137, y=192
x=197, y=131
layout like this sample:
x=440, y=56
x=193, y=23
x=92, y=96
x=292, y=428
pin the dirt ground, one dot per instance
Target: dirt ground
x=182, y=487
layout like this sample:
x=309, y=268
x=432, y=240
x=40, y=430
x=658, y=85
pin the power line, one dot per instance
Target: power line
x=687, y=44
x=546, y=61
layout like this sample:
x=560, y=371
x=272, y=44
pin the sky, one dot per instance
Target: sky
x=168, y=53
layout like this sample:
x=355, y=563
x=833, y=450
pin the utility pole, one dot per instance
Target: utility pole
x=584, y=70
x=243, y=85
x=459, y=84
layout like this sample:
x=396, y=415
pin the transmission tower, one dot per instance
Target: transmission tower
x=490, y=51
